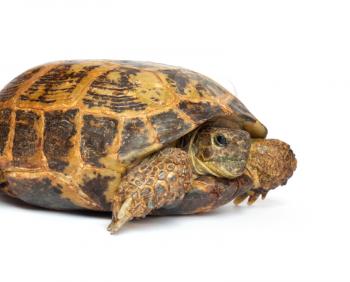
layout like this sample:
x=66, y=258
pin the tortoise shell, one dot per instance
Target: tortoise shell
x=69, y=130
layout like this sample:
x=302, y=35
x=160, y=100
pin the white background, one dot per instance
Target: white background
x=290, y=64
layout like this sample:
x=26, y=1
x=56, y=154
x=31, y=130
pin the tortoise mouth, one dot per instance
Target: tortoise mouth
x=229, y=169
x=233, y=169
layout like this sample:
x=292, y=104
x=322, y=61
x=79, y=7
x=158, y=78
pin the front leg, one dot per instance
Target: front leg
x=207, y=193
x=157, y=181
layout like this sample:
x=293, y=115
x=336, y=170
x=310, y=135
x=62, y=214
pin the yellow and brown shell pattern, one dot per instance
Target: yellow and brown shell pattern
x=69, y=130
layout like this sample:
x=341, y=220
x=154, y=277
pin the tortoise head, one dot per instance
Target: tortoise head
x=222, y=152
x=229, y=153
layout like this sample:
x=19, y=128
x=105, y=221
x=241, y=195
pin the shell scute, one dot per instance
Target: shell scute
x=96, y=187
x=99, y=185
x=177, y=79
x=97, y=136
x=170, y=126
x=191, y=84
x=200, y=111
x=59, y=132
x=27, y=141
x=10, y=89
x=60, y=85
x=135, y=139
x=126, y=92
x=40, y=192
x=114, y=90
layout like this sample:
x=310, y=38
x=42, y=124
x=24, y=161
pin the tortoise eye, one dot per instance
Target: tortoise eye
x=220, y=140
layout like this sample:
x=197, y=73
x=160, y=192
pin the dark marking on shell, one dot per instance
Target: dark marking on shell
x=206, y=84
x=177, y=78
x=238, y=107
x=135, y=137
x=97, y=134
x=215, y=88
x=119, y=100
x=96, y=187
x=5, y=116
x=123, y=83
x=10, y=89
x=200, y=89
x=26, y=141
x=200, y=111
x=61, y=80
x=169, y=126
x=59, y=129
x=40, y=192
x=118, y=104
x=125, y=74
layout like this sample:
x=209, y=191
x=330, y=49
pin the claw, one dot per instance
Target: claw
x=240, y=199
x=121, y=217
x=114, y=227
x=253, y=198
x=263, y=195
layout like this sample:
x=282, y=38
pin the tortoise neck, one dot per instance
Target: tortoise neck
x=198, y=166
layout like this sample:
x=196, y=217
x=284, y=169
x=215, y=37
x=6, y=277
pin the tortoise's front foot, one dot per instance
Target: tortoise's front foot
x=158, y=180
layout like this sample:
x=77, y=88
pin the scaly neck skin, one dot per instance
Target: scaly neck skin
x=197, y=165
x=200, y=168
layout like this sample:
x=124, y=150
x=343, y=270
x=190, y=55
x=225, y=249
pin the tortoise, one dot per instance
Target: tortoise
x=132, y=138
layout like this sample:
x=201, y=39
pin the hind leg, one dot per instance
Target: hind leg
x=157, y=181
